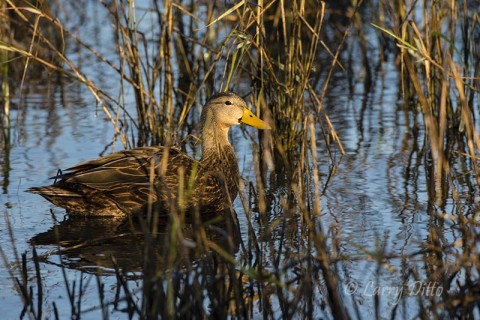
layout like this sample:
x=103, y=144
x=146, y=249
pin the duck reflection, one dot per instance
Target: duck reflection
x=102, y=245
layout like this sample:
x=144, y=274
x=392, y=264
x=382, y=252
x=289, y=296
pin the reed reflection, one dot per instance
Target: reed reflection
x=102, y=245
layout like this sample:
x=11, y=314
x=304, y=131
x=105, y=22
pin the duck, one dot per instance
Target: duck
x=160, y=179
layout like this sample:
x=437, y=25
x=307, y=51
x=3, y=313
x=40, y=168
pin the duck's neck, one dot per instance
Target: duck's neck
x=215, y=142
x=218, y=158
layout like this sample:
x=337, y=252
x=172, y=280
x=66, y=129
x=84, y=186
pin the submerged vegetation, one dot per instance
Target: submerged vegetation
x=286, y=58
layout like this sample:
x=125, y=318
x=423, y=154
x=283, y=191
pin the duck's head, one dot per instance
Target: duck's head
x=227, y=109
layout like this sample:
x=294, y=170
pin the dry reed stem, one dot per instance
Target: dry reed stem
x=75, y=74
x=473, y=139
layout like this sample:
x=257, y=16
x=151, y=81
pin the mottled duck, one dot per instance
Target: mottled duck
x=155, y=178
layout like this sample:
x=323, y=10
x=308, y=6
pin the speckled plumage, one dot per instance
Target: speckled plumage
x=157, y=178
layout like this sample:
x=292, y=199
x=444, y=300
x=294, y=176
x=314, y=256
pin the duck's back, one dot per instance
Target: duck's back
x=126, y=182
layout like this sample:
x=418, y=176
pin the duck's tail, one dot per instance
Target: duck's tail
x=49, y=192
x=77, y=200
x=64, y=198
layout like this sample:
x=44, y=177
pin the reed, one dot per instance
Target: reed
x=440, y=80
x=438, y=64
x=5, y=125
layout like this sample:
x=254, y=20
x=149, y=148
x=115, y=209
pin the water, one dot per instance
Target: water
x=370, y=200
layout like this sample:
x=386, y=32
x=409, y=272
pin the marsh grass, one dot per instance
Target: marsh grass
x=275, y=47
x=438, y=63
x=439, y=68
x=5, y=99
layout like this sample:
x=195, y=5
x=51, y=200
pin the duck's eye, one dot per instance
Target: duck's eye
x=228, y=103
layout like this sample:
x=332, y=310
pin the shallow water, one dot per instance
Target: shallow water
x=370, y=200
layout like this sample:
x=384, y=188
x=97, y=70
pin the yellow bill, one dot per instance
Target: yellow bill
x=252, y=120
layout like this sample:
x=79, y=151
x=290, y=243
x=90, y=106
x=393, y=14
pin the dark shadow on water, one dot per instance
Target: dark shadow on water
x=101, y=245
